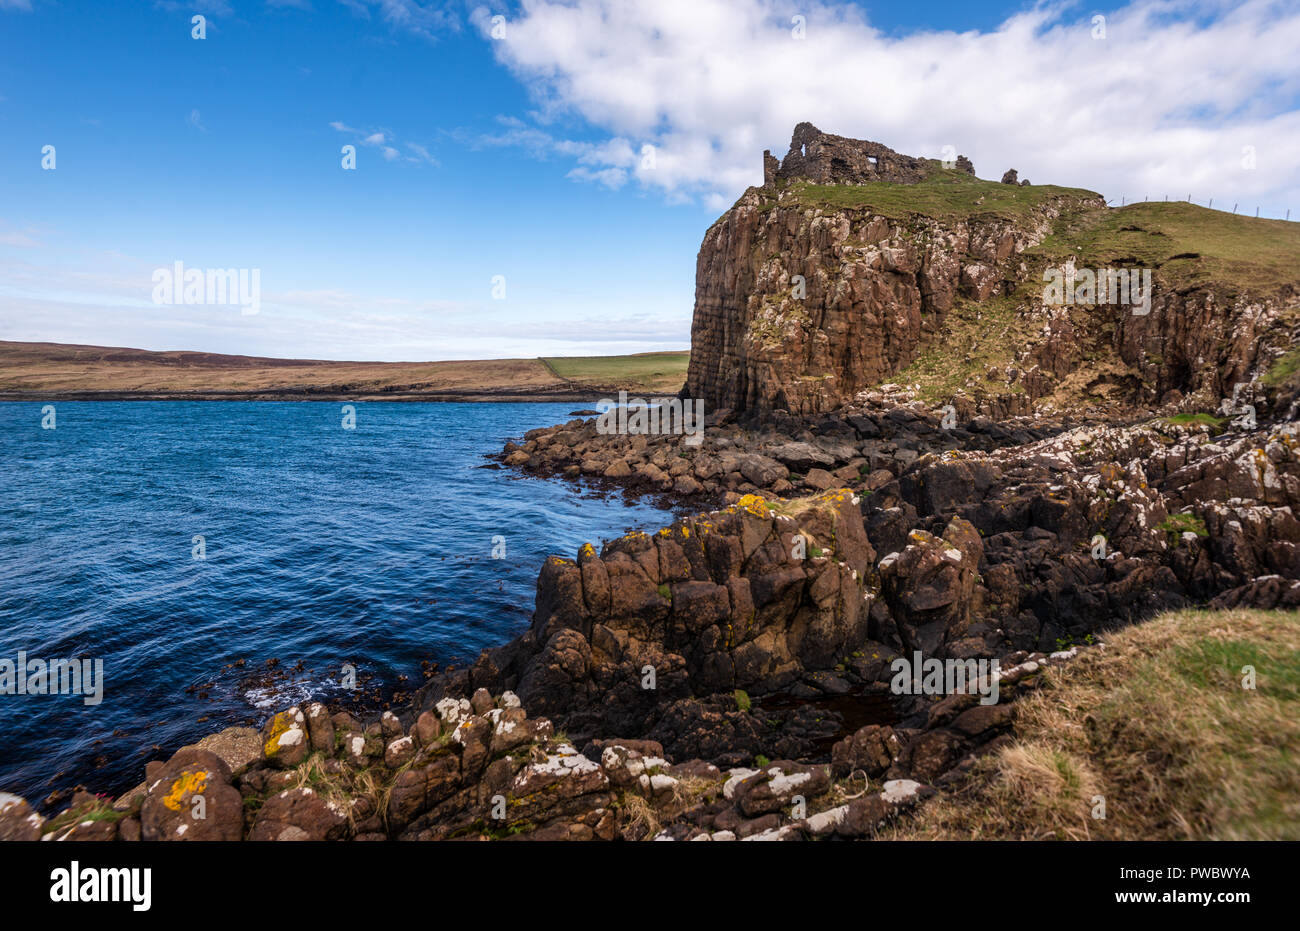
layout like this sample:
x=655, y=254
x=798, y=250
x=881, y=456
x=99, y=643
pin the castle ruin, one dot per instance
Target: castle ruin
x=824, y=158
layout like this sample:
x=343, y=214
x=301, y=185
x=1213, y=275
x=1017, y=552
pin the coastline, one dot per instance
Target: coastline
x=54, y=372
x=555, y=736
x=486, y=396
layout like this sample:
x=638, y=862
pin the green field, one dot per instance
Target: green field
x=664, y=372
x=944, y=195
x=1187, y=245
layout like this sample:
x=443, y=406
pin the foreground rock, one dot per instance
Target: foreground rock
x=759, y=597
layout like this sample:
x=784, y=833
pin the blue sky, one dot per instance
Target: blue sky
x=521, y=155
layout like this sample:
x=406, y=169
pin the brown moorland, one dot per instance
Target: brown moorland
x=45, y=371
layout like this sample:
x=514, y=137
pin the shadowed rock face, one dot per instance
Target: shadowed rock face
x=869, y=291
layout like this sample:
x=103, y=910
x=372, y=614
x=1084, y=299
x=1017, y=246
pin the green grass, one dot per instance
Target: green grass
x=1283, y=369
x=944, y=195
x=1175, y=525
x=742, y=700
x=1214, y=663
x=1184, y=244
x=99, y=810
x=1208, y=420
x=657, y=371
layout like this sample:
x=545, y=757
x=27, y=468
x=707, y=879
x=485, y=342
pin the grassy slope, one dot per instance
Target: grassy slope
x=663, y=372
x=1187, y=245
x=1158, y=723
x=975, y=336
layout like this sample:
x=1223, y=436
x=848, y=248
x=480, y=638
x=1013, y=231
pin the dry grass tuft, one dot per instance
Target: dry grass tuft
x=1157, y=723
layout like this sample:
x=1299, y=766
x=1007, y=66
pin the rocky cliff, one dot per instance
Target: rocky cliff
x=847, y=269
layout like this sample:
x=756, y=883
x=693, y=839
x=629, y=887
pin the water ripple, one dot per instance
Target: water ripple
x=324, y=546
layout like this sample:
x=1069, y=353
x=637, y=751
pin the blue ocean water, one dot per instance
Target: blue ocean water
x=321, y=546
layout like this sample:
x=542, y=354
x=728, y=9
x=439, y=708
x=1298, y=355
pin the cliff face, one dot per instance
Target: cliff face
x=800, y=307
x=822, y=284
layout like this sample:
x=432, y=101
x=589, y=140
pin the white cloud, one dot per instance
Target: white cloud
x=387, y=143
x=608, y=163
x=421, y=154
x=612, y=178
x=424, y=19
x=1165, y=103
x=196, y=120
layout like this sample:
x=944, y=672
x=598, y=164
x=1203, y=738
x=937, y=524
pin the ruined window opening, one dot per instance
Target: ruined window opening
x=871, y=159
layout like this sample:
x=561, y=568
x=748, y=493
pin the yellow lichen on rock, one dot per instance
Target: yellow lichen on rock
x=188, y=784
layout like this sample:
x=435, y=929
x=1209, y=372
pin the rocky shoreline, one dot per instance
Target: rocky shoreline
x=685, y=684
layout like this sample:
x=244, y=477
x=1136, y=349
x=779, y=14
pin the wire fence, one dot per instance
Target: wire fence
x=1124, y=202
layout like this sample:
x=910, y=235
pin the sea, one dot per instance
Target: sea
x=218, y=561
